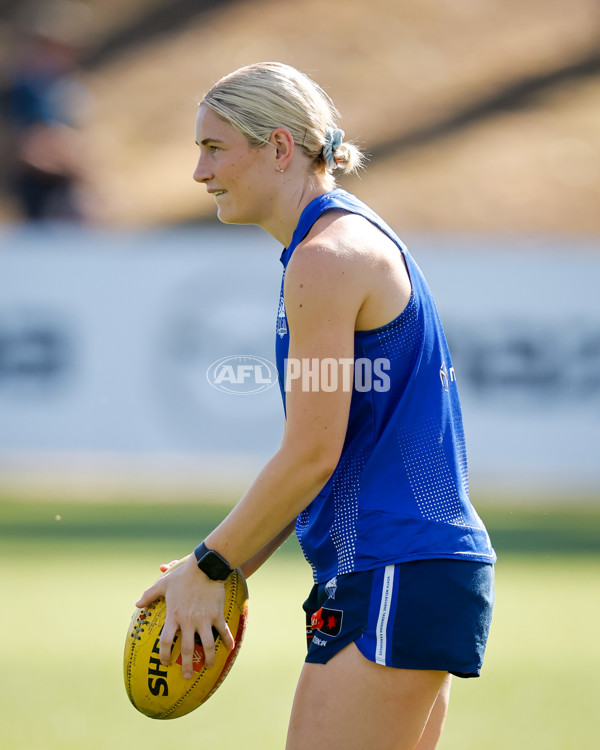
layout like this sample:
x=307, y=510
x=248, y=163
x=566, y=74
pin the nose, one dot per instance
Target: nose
x=202, y=173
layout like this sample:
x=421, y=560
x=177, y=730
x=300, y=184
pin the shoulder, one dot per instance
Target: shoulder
x=345, y=245
x=326, y=276
x=331, y=259
x=337, y=241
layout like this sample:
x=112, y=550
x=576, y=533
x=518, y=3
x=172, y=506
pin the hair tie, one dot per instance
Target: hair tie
x=333, y=140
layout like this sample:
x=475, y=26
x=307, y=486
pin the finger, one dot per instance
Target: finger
x=167, y=566
x=167, y=637
x=208, y=644
x=225, y=633
x=187, y=653
x=151, y=595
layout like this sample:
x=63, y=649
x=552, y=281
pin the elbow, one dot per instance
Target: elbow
x=317, y=463
x=324, y=466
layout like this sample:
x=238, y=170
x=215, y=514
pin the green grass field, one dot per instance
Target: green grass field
x=72, y=572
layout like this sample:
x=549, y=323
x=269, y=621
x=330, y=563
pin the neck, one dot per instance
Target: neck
x=288, y=205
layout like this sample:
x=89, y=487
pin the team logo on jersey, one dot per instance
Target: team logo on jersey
x=282, y=327
x=327, y=621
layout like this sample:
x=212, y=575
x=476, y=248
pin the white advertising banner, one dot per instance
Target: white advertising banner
x=523, y=322
x=107, y=341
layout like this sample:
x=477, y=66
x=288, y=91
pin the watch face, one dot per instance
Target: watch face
x=214, y=566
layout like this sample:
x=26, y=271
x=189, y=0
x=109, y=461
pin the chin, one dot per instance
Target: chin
x=230, y=217
x=226, y=218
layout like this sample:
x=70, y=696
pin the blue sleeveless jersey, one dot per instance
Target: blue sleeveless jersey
x=400, y=490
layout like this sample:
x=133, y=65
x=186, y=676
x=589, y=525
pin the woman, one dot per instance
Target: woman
x=371, y=472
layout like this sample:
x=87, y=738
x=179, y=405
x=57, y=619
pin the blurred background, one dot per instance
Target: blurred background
x=481, y=120
x=118, y=289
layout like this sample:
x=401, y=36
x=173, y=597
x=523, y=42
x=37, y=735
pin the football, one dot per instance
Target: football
x=161, y=692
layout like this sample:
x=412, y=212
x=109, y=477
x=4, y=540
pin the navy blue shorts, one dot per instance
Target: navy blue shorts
x=426, y=614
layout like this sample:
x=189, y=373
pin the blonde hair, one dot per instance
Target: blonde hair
x=259, y=98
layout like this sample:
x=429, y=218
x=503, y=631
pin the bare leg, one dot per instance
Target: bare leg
x=437, y=717
x=350, y=703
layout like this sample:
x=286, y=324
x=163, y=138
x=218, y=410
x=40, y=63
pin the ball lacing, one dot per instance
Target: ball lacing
x=138, y=628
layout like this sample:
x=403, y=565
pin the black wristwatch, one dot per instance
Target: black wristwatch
x=211, y=563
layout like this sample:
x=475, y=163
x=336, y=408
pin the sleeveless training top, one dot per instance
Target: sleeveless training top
x=400, y=489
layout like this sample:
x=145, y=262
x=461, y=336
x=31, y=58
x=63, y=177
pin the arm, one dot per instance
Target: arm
x=255, y=562
x=259, y=559
x=324, y=292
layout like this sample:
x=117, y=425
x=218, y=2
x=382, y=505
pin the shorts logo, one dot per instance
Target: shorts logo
x=331, y=587
x=328, y=621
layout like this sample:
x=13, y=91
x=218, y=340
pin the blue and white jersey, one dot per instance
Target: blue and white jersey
x=400, y=490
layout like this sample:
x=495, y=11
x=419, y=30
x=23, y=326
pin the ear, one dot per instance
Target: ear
x=282, y=140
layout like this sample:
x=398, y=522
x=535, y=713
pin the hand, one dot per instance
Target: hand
x=194, y=605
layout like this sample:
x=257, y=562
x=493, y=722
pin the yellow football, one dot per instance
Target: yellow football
x=161, y=692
